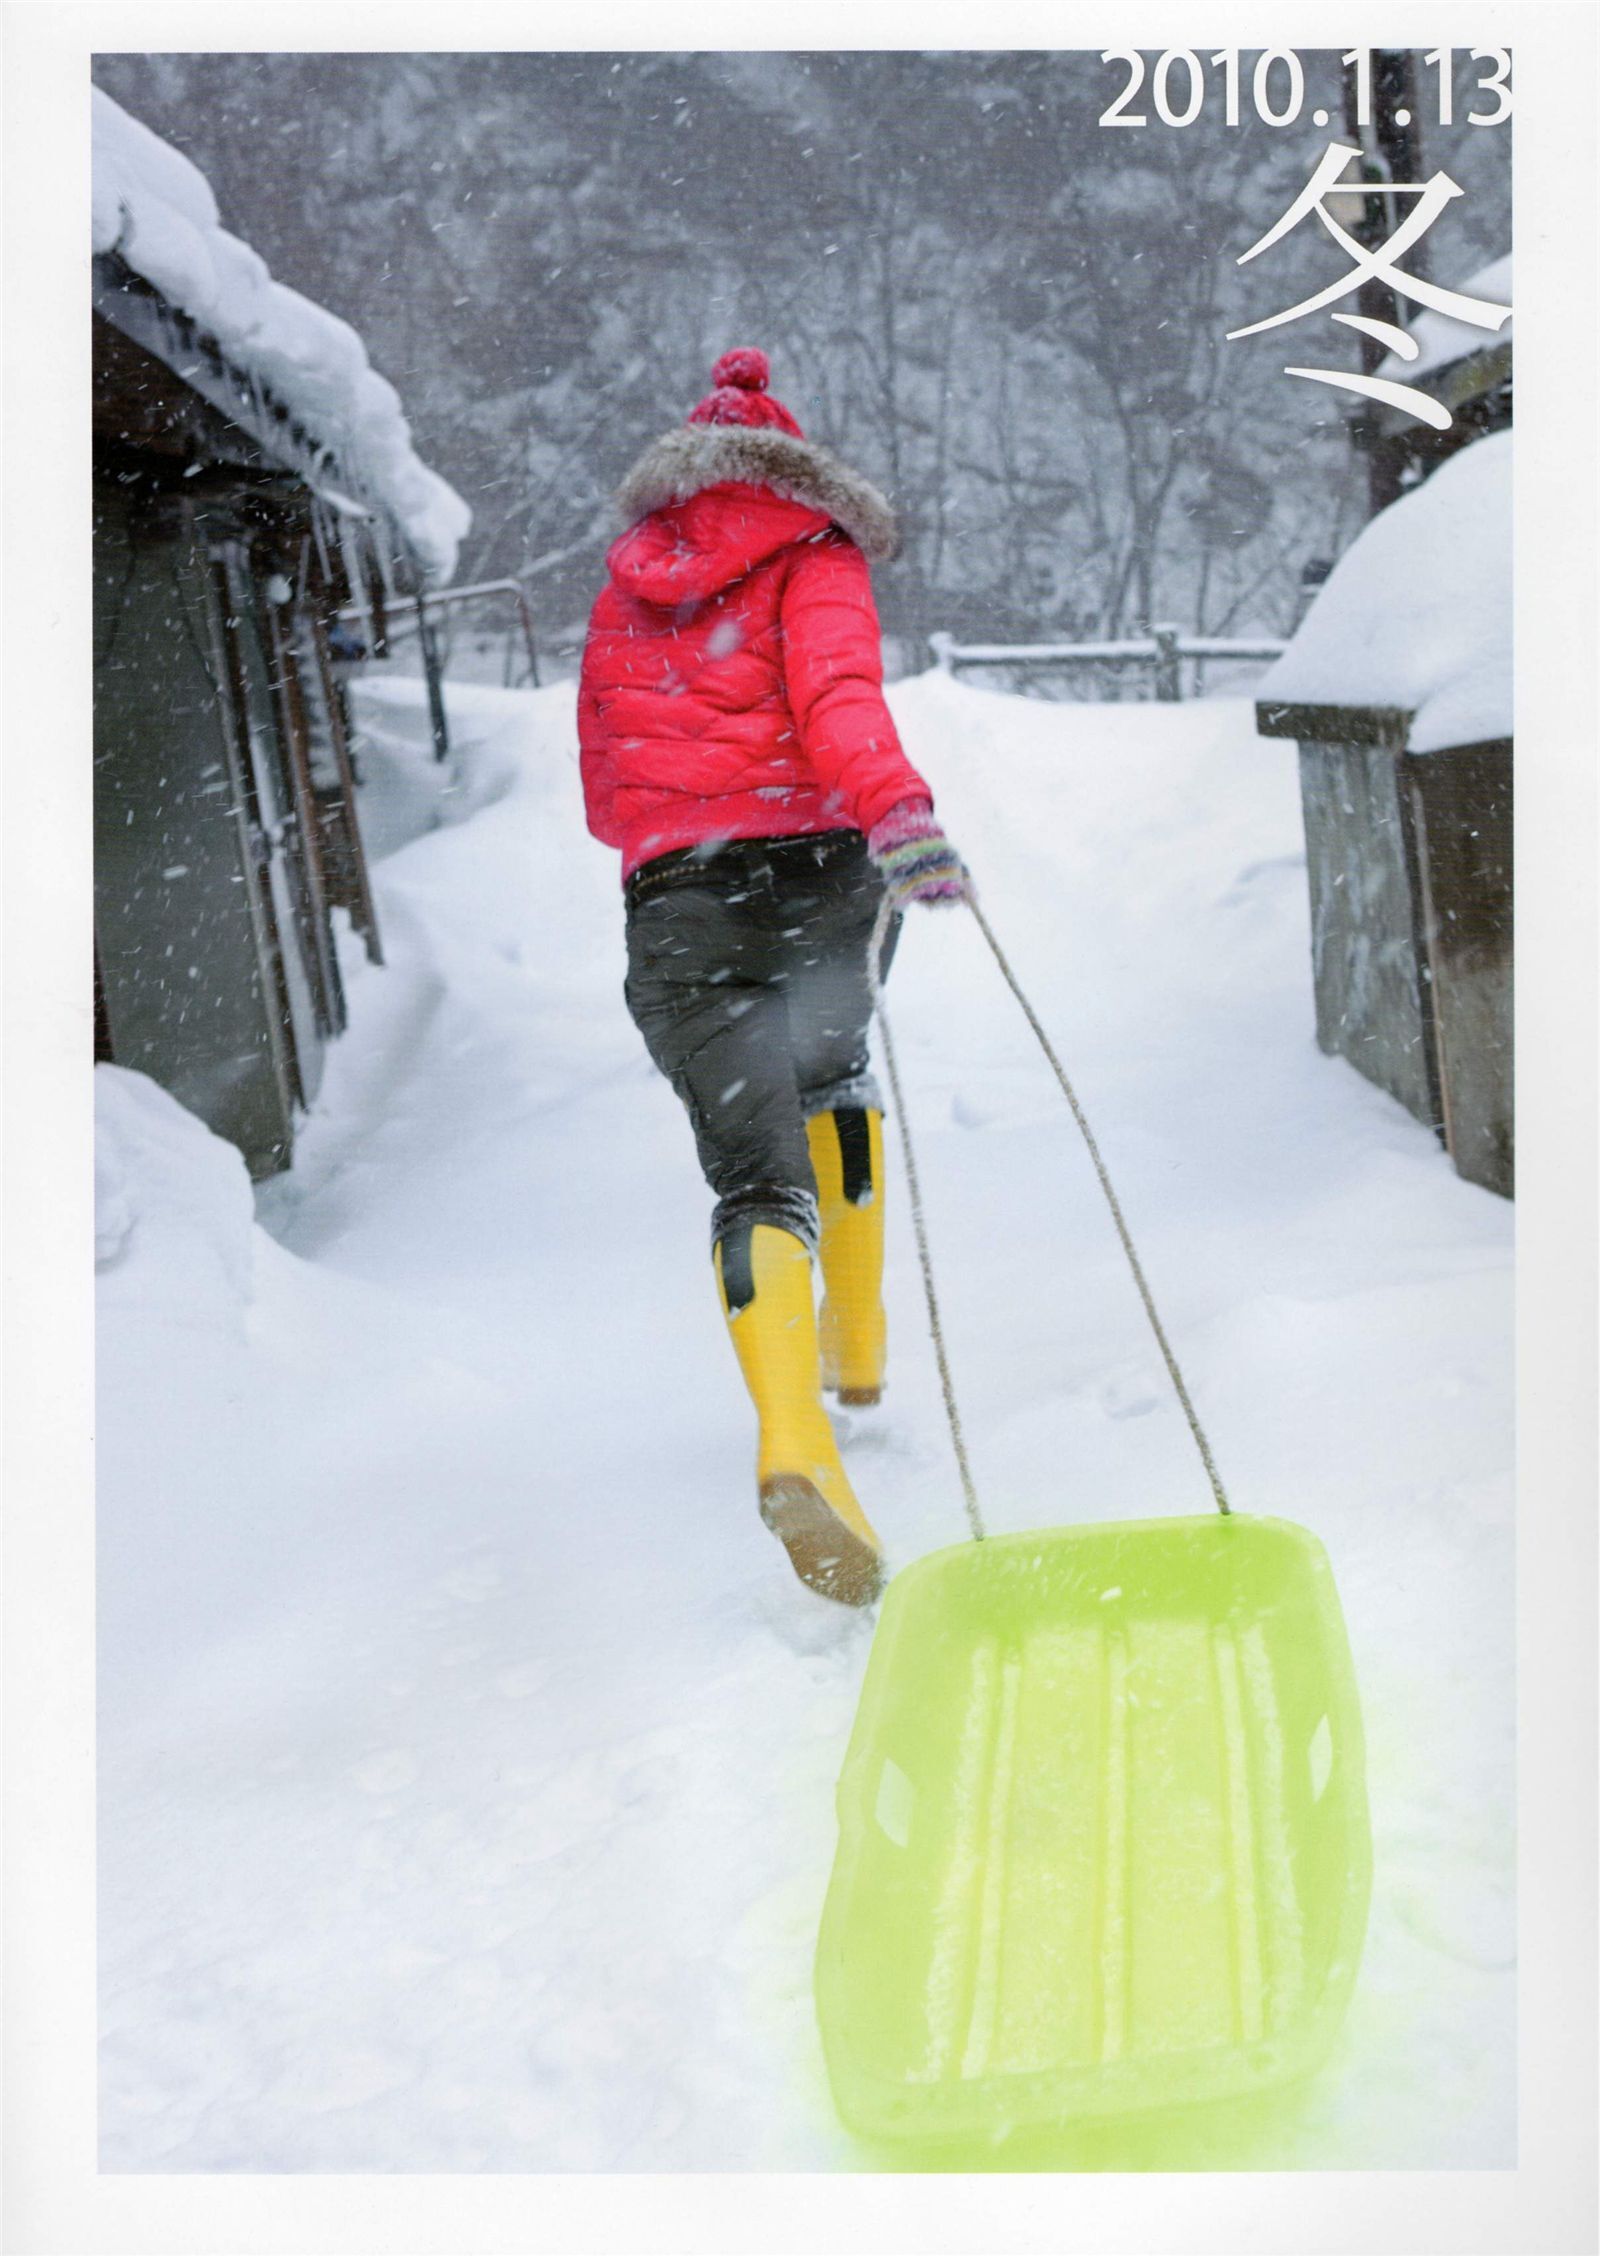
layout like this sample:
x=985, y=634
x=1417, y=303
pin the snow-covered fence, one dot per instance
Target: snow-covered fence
x=1161, y=653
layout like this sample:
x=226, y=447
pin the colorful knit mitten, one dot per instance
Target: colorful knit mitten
x=916, y=860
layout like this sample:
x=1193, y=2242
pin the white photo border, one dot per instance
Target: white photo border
x=56, y=2199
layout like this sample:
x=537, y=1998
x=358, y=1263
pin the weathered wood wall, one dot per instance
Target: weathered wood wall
x=1461, y=805
x=1409, y=862
x=1368, y=969
x=190, y=964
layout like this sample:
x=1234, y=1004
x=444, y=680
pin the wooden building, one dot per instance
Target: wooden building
x=1409, y=831
x=1409, y=863
x=228, y=533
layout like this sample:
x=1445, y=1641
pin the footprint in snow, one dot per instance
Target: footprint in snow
x=1246, y=880
x=473, y=1584
x=524, y=1680
x=878, y=1433
x=1131, y=1394
x=858, y=1430
x=392, y=1771
x=807, y=1623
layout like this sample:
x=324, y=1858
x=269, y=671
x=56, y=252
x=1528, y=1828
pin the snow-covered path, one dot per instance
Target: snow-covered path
x=467, y=1748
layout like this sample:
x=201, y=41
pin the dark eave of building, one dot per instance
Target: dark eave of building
x=136, y=309
x=1384, y=726
x=144, y=412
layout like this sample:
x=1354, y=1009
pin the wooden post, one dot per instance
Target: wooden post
x=1168, y=674
x=526, y=616
x=434, y=676
x=358, y=898
x=378, y=611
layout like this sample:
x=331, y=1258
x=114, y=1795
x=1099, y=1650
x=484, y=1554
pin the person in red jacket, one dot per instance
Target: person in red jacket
x=736, y=747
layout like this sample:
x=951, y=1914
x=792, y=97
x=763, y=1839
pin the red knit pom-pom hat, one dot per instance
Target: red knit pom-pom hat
x=739, y=395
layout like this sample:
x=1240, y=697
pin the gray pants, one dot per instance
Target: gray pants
x=747, y=977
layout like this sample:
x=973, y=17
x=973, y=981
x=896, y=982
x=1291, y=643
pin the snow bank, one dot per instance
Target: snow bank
x=173, y=1208
x=156, y=210
x=468, y=1749
x=1443, y=340
x=1417, y=612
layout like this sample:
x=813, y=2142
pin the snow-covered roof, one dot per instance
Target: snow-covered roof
x=156, y=211
x=1443, y=340
x=1416, y=614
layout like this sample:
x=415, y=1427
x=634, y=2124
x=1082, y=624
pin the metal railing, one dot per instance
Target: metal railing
x=392, y=620
x=424, y=609
x=1162, y=652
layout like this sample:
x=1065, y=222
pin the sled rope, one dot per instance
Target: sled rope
x=1134, y=1263
x=920, y=1226
x=1201, y=1442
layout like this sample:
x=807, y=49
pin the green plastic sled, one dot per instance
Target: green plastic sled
x=1103, y=1838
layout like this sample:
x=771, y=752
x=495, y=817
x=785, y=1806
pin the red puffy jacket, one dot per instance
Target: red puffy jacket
x=732, y=682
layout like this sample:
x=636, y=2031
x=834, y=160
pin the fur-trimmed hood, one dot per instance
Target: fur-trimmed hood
x=685, y=461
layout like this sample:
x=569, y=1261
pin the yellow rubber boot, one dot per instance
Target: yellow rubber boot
x=852, y=1330
x=805, y=1498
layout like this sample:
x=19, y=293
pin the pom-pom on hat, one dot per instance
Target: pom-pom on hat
x=739, y=395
